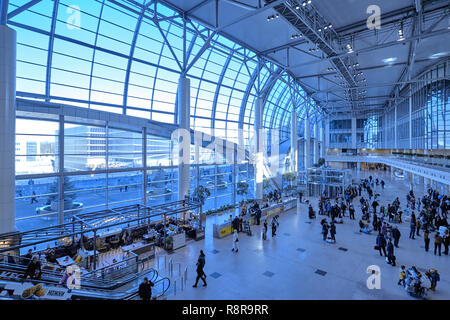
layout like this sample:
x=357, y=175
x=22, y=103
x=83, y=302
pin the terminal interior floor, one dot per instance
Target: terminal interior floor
x=298, y=264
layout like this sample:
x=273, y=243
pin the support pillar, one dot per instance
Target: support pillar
x=395, y=127
x=316, y=142
x=410, y=178
x=184, y=112
x=410, y=117
x=324, y=146
x=327, y=135
x=353, y=133
x=259, y=166
x=427, y=184
x=7, y=128
x=307, y=143
x=294, y=142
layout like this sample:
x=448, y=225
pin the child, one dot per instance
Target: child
x=402, y=276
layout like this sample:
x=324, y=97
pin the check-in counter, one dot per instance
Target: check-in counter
x=221, y=230
x=275, y=209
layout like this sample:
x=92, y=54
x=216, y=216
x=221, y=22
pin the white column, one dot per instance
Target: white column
x=427, y=184
x=184, y=112
x=259, y=165
x=410, y=178
x=395, y=126
x=324, y=145
x=353, y=133
x=410, y=117
x=307, y=143
x=327, y=134
x=7, y=128
x=316, y=142
x=294, y=142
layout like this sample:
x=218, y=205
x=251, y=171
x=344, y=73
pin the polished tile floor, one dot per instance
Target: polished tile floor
x=298, y=264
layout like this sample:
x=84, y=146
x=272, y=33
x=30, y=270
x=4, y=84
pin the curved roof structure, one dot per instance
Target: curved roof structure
x=127, y=56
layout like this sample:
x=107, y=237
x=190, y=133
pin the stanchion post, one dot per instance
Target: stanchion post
x=175, y=287
x=182, y=282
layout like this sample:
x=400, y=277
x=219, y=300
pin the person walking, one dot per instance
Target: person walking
x=402, y=276
x=235, y=242
x=264, y=230
x=426, y=238
x=390, y=252
x=396, y=235
x=325, y=230
x=33, y=198
x=412, y=227
x=351, y=211
x=274, y=226
x=145, y=289
x=434, y=278
x=418, y=225
x=446, y=241
x=333, y=231
x=200, y=273
x=437, y=243
x=381, y=243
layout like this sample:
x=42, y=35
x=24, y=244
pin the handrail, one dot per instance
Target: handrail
x=163, y=291
x=88, y=280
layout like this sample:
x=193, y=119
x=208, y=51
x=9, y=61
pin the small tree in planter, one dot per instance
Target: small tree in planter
x=168, y=243
x=242, y=189
x=68, y=197
x=200, y=195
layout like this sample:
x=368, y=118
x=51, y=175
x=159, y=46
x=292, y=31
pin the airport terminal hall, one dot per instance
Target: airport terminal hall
x=263, y=151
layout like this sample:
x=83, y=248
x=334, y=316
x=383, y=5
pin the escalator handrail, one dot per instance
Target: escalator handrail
x=135, y=294
x=96, y=283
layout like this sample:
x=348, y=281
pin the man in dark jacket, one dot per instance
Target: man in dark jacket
x=390, y=252
x=396, y=235
x=200, y=273
x=34, y=269
x=145, y=289
x=381, y=243
x=235, y=223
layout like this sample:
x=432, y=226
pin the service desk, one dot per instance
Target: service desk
x=142, y=250
x=179, y=240
x=221, y=230
x=275, y=209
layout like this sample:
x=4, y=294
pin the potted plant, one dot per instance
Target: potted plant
x=242, y=189
x=168, y=243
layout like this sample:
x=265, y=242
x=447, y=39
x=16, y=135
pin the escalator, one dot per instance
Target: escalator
x=91, y=287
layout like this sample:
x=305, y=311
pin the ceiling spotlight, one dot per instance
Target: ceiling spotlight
x=401, y=36
x=304, y=3
x=320, y=30
x=330, y=26
x=277, y=16
x=297, y=7
x=309, y=1
x=349, y=48
x=326, y=27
